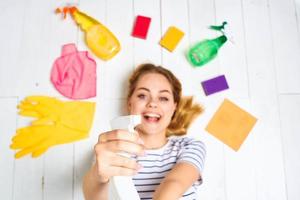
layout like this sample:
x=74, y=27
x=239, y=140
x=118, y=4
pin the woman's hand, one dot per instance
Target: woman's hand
x=108, y=160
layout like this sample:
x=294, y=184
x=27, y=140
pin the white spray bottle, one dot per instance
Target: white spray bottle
x=122, y=187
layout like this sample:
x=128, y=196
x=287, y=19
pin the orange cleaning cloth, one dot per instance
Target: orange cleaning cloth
x=231, y=124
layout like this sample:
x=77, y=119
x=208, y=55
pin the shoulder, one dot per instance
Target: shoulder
x=187, y=142
x=191, y=150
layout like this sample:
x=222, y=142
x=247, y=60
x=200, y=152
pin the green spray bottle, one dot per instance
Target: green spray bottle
x=206, y=50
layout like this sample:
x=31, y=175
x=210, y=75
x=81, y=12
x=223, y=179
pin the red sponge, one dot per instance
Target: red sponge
x=141, y=27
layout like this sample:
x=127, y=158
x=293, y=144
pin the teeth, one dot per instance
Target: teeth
x=152, y=115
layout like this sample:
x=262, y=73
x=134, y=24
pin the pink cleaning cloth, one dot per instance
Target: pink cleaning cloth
x=74, y=73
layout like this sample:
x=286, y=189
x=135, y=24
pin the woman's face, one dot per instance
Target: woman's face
x=153, y=100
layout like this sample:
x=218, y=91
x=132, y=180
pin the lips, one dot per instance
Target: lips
x=151, y=117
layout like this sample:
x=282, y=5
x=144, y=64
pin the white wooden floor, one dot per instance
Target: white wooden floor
x=262, y=67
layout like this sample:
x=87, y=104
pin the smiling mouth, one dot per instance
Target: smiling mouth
x=151, y=117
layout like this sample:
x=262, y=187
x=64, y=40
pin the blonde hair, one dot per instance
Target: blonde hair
x=186, y=111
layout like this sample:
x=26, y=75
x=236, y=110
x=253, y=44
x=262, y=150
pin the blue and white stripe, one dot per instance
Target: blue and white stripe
x=157, y=163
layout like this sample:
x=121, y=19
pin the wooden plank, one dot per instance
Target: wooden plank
x=58, y=173
x=201, y=15
x=11, y=22
x=42, y=35
x=213, y=186
x=28, y=179
x=148, y=50
x=83, y=150
x=239, y=170
x=297, y=5
x=8, y=118
x=232, y=55
x=286, y=42
x=175, y=13
x=28, y=173
x=97, y=10
x=290, y=115
x=110, y=82
x=119, y=18
x=267, y=143
x=239, y=179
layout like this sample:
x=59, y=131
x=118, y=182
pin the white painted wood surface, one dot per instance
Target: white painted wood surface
x=262, y=67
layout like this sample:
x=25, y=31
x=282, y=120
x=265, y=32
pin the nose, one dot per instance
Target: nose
x=152, y=103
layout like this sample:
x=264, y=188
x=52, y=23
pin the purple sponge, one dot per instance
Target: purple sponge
x=214, y=85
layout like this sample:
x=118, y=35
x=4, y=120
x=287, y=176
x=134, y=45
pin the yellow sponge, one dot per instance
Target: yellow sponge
x=171, y=38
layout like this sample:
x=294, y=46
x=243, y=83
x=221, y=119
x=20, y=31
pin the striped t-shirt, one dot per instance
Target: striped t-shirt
x=157, y=163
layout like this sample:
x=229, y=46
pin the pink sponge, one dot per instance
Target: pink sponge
x=74, y=73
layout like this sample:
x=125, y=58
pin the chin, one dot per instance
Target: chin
x=149, y=130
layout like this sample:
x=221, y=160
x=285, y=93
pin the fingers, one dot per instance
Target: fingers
x=117, y=165
x=39, y=152
x=125, y=162
x=120, y=135
x=120, y=141
x=121, y=171
x=110, y=145
x=119, y=146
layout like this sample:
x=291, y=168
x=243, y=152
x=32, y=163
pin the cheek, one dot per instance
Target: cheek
x=170, y=111
x=135, y=107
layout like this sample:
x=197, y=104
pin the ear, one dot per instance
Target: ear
x=174, y=110
x=128, y=105
x=175, y=106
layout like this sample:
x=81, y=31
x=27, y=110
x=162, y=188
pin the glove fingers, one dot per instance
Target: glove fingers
x=33, y=109
x=25, y=104
x=29, y=113
x=27, y=109
x=26, y=137
x=39, y=152
x=43, y=121
x=30, y=149
x=32, y=102
x=24, y=152
x=36, y=99
x=21, y=143
x=21, y=154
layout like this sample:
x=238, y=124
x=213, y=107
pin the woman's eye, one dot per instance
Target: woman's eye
x=163, y=99
x=141, y=96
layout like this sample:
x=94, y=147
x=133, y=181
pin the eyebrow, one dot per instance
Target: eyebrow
x=161, y=91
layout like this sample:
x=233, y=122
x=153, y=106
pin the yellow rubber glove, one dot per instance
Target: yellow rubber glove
x=73, y=114
x=57, y=122
x=36, y=139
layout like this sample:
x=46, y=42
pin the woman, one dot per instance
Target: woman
x=167, y=166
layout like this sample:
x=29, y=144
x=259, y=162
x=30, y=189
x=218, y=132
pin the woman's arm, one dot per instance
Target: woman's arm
x=93, y=189
x=176, y=183
x=109, y=163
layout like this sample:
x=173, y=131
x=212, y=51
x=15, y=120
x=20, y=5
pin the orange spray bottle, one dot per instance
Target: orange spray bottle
x=99, y=39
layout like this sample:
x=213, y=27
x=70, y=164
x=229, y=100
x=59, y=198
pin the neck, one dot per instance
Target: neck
x=153, y=141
